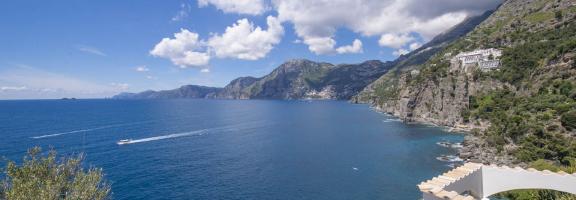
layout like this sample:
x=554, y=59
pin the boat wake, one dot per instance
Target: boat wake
x=88, y=130
x=196, y=132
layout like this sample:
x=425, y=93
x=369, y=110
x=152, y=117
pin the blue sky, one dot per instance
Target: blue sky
x=92, y=49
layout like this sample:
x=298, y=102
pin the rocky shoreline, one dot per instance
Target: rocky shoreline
x=474, y=148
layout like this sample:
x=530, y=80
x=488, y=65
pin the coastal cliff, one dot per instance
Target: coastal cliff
x=515, y=114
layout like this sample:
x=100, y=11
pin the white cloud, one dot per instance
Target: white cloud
x=316, y=22
x=430, y=28
x=12, y=88
x=400, y=52
x=205, y=70
x=91, y=50
x=142, y=68
x=320, y=45
x=182, y=13
x=152, y=77
x=244, y=41
x=326, y=45
x=356, y=47
x=393, y=40
x=250, y=7
x=183, y=50
x=414, y=46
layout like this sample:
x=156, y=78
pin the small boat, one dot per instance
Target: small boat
x=126, y=141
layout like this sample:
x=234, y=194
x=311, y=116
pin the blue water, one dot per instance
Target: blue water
x=217, y=149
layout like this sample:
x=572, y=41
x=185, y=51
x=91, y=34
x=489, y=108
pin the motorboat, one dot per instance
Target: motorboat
x=125, y=141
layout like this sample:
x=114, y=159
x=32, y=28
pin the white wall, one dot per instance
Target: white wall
x=496, y=180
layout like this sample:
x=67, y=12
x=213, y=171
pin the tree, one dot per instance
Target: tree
x=49, y=178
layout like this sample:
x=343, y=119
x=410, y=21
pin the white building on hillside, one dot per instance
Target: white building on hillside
x=485, y=59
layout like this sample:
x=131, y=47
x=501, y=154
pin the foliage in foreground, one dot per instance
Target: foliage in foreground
x=47, y=177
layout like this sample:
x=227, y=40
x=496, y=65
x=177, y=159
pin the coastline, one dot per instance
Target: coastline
x=474, y=149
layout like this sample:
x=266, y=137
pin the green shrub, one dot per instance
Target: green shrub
x=558, y=15
x=49, y=178
x=568, y=120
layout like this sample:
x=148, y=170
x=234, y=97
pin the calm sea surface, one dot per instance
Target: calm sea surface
x=218, y=149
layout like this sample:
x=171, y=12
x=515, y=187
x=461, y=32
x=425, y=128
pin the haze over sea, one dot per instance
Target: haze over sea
x=224, y=149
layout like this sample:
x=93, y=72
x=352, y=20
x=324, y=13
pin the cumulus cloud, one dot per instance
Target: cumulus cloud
x=250, y=7
x=205, y=70
x=326, y=45
x=320, y=45
x=244, y=41
x=316, y=22
x=142, y=68
x=356, y=47
x=183, y=50
x=414, y=46
x=395, y=40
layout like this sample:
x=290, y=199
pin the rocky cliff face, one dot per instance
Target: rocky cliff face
x=236, y=89
x=436, y=101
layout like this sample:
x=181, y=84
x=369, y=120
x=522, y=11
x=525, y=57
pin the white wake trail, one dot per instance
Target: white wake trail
x=87, y=130
x=198, y=132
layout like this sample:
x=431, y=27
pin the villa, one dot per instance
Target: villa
x=484, y=59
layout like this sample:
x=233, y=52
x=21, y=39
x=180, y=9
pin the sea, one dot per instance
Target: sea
x=232, y=149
